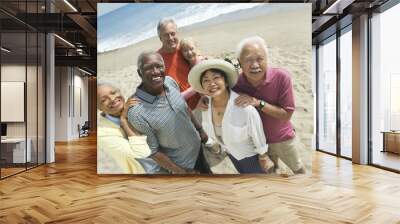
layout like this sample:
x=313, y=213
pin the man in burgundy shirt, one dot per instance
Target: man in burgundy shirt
x=270, y=91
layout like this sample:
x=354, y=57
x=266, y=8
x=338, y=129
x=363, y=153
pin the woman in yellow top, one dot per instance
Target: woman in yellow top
x=118, y=143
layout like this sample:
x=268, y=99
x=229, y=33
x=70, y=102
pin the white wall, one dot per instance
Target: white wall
x=80, y=118
x=16, y=73
x=33, y=126
x=80, y=100
x=61, y=103
x=13, y=73
x=69, y=85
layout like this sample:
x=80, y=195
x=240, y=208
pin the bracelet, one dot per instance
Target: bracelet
x=199, y=129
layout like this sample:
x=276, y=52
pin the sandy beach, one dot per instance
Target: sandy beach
x=288, y=35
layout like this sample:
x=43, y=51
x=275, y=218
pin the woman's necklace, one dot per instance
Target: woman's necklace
x=219, y=111
x=218, y=115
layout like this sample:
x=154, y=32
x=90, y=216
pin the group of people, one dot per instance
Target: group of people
x=188, y=103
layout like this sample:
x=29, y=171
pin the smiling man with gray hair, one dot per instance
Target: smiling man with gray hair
x=173, y=135
x=270, y=90
x=175, y=64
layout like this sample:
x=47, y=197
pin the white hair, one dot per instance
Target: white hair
x=163, y=22
x=146, y=54
x=106, y=83
x=188, y=41
x=251, y=40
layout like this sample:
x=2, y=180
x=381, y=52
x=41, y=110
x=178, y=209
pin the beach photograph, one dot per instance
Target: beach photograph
x=125, y=30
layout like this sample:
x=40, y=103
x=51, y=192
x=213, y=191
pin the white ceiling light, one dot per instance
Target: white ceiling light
x=5, y=50
x=84, y=71
x=65, y=41
x=79, y=51
x=337, y=7
x=70, y=5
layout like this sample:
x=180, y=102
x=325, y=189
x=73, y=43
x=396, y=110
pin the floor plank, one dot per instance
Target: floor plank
x=70, y=191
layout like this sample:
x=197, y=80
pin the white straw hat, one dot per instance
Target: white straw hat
x=195, y=73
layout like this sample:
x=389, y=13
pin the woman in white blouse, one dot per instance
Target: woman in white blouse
x=237, y=130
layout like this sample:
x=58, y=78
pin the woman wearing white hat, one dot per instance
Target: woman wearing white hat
x=237, y=130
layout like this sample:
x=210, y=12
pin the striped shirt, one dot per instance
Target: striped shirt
x=166, y=122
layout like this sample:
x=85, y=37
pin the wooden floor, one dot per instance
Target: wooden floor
x=70, y=191
x=5, y=172
x=10, y=171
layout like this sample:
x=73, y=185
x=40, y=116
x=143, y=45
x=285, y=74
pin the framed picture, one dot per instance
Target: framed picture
x=192, y=88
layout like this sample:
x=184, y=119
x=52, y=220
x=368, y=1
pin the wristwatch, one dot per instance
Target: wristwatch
x=261, y=105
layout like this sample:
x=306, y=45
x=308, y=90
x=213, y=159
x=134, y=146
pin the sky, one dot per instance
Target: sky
x=108, y=7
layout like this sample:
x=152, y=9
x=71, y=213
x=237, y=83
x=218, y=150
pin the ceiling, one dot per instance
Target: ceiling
x=76, y=22
x=332, y=15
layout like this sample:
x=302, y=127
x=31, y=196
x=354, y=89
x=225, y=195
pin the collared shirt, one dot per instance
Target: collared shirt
x=149, y=165
x=166, y=122
x=277, y=90
x=242, y=130
x=178, y=68
x=115, y=120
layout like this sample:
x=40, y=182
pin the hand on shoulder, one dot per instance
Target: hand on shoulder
x=133, y=101
x=244, y=100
